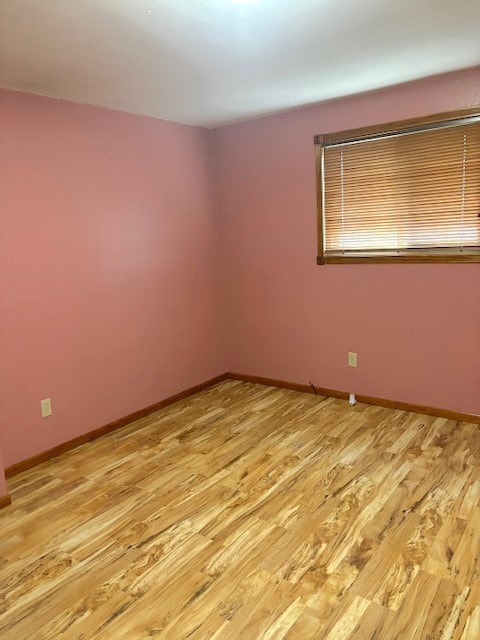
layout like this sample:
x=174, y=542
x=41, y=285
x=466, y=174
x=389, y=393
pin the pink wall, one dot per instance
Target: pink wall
x=416, y=328
x=108, y=269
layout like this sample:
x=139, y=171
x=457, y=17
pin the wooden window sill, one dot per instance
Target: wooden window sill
x=399, y=259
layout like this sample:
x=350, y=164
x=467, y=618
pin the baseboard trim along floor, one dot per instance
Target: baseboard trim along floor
x=5, y=501
x=24, y=465
x=381, y=402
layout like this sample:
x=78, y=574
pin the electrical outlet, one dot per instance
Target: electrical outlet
x=46, y=407
x=352, y=359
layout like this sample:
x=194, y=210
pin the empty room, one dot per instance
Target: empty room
x=239, y=319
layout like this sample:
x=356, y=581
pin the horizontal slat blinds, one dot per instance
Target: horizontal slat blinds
x=408, y=193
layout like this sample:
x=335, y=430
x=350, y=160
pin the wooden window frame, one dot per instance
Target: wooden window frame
x=367, y=132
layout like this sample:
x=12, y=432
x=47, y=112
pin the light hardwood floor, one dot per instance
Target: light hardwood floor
x=250, y=512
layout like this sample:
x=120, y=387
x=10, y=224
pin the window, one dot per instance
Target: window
x=405, y=192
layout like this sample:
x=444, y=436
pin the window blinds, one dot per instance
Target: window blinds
x=403, y=193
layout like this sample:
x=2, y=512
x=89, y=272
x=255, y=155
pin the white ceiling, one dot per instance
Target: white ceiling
x=211, y=62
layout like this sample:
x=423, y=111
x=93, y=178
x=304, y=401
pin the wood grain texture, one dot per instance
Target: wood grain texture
x=5, y=501
x=23, y=465
x=250, y=512
x=381, y=402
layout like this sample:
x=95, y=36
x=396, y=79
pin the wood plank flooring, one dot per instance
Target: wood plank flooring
x=248, y=512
